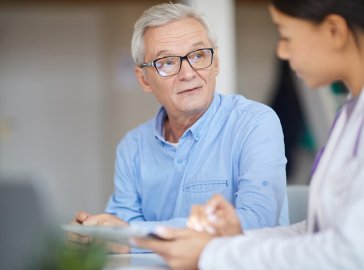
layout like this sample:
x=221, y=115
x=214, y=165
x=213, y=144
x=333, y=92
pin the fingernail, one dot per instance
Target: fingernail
x=209, y=210
x=212, y=218
x=198, y=227
x=210, y=230
x=160, y=230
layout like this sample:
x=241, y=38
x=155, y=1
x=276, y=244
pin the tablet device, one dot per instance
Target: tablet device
x=119, y=234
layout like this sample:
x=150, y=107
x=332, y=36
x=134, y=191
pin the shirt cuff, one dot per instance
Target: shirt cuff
x=205, y=261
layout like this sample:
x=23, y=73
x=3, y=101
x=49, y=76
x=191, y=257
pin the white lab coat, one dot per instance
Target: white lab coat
x=336, y=200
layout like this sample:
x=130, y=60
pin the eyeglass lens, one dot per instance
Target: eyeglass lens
x=171, y=65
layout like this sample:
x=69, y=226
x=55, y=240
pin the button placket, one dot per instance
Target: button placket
x=183, y=149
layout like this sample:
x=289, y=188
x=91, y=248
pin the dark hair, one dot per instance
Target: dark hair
x=316, y=10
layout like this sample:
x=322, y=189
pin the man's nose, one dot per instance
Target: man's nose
x=186, y=71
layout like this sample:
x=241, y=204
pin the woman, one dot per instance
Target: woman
x=323, y=42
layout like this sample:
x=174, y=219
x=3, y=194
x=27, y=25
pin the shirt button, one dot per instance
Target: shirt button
x=265, y=183
x=179, y=161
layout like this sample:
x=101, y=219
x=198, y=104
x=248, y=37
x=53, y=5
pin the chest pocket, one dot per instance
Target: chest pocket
x=201, y=192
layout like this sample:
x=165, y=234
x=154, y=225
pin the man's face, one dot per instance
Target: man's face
x=189, y=92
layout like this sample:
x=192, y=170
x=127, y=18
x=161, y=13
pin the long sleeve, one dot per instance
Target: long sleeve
x=339, y=246
x=261, y=194
x=125, y=202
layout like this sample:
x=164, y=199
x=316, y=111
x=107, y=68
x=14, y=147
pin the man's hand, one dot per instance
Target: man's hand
x=217, y=217
x=86, y=219
x=181, y=247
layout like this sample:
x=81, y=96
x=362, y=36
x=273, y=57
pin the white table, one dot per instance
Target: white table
x=146, y=261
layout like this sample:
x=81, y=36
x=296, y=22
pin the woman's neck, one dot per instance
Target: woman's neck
x=355, y=70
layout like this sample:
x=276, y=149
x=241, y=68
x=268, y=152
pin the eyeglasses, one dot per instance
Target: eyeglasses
x=171, y=65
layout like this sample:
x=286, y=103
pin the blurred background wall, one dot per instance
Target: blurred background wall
x=68, y=92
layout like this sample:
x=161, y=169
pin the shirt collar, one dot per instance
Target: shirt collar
x=196, y=129
x=158, y=124
x=352, y=102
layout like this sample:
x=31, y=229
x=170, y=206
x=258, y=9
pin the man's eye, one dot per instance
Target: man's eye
x=197, y=56
x=168, y=63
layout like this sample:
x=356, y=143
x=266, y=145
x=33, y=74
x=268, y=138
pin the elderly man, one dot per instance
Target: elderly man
x=200, y=142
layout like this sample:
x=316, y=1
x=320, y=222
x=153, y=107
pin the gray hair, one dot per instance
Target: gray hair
x=162, y=14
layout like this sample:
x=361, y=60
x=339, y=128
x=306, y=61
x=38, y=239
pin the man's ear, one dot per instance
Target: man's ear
x=216, y=62
x=141, y=77
x=338, y=30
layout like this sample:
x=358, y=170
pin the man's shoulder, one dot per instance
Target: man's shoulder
x=241, y=104
x=140, y=132
x=143, y=128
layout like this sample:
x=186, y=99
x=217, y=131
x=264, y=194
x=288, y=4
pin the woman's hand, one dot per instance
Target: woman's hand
x=218, y=217
x=181, y=247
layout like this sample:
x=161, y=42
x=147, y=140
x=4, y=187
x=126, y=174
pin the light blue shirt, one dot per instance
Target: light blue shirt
x=236, y=149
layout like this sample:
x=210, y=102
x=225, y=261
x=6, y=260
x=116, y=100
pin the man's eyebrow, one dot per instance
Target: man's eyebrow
x=200, y=43
x=162, y=52
x=167, y=52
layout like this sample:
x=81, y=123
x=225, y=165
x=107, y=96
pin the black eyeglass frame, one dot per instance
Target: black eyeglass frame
x=153, y=63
